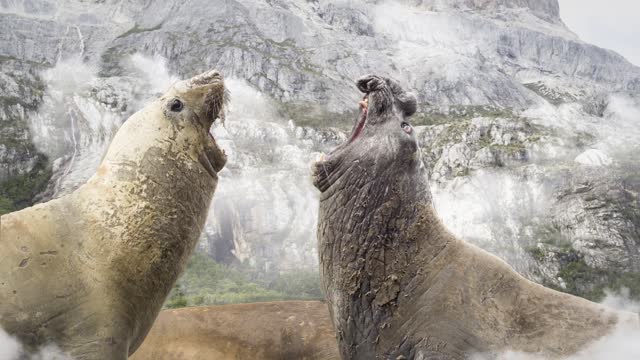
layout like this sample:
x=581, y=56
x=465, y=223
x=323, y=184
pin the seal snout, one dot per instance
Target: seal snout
x=209, y=91
x=370, y=83
x=384, y=105
x=207, y=78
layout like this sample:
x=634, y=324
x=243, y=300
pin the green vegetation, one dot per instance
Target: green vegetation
x=6, y=205
x=460, y=113
x=582, y=280
x=586, y=281
x=453, y=132
x=9, y=58
x=553, y=96
x=284, y=53
x=512, y=148
x=18, y=192
x=309, y=114
x=550, y=235
x=537, y=253
x=591, y=283
x=137, y=30
x=206, y=282
x=630, y=281
x=110, y=61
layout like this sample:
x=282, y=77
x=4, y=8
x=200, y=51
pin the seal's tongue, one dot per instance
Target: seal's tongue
x=324, y=164
x=362, y=119
x=358, y=127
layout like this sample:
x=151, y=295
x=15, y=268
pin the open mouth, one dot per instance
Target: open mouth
x=212, y=158
x=362, y=119
x=357, y=129
x=324, y=166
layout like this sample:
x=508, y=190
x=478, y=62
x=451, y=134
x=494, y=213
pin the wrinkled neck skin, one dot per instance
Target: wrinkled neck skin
x=366, y=256
x=375, y=210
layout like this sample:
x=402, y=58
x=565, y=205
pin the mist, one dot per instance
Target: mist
x=264, y=212
x=621, y=344
x=81, y=112
x=501, y=211
x=152, y=70
x=265, y=207
x=11, y=349
x=70, y=126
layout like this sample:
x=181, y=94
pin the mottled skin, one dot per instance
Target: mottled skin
x=285, y=330
x=398, y=284
x=90, y=271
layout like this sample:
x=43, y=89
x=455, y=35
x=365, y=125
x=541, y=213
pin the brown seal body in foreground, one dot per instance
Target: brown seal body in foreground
x=286, y=330
x=90, y=271
x=398, y=284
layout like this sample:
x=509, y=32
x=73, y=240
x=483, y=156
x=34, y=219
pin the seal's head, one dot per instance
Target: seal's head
x=173, y=130
x=382, y=143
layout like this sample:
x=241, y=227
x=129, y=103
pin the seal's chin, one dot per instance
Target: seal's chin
x=326, y=169
x=212, y=158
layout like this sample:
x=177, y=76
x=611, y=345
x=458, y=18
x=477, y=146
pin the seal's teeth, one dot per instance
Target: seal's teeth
x=322, y=157
x=363, y=104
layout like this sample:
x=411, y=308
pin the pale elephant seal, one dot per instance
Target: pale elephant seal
x=398, y=284
x=286, y=330
x=91, y=270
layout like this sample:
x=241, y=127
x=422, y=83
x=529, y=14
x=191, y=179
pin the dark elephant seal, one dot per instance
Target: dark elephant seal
x=91, y=270
x=284, y=330
x=398, y=284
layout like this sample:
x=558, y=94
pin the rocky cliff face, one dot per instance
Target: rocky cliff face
x=547, y=10
x=529, y=132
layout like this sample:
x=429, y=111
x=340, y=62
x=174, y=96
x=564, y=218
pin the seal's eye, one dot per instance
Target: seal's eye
x=176, y=105
x=406, y=127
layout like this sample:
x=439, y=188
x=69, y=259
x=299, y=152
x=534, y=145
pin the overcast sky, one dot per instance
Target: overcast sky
x=611, y=24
